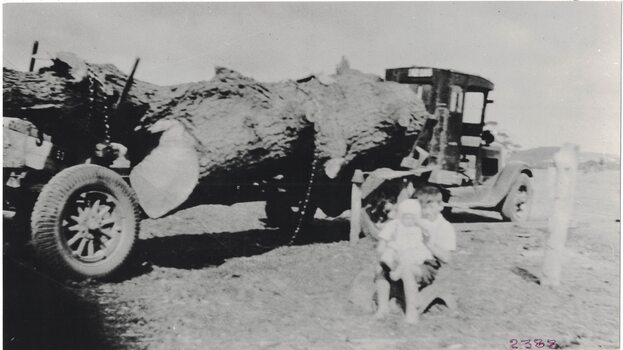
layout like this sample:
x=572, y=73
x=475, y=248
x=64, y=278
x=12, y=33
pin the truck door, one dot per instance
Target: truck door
x=472, y=125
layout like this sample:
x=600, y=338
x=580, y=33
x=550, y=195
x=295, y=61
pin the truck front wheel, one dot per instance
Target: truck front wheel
x=518, y=201
x=85, y=222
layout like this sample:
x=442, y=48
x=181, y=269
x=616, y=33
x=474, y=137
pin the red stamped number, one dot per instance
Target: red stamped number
x=533, y=344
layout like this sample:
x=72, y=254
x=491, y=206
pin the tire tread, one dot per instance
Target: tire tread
x=50, y=204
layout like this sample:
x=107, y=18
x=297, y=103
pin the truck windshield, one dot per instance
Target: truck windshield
x=472, y=110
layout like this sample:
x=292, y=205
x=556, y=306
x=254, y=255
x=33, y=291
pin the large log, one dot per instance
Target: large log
x=69, y=102
x=237, y=124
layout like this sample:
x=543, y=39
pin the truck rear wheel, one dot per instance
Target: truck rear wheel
x=85, y=222
x=518, y=201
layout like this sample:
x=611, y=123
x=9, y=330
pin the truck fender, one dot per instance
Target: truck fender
x=505, y=180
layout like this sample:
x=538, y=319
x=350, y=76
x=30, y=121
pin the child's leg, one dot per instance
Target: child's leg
x=389, y=258
x=405, y=263
x=411, y=295
x=382, y=293
x=432, y=293
x=396, y=273
x=427, y=296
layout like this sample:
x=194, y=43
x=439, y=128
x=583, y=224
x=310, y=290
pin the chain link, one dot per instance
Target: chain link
x=304, y=203
x=94, y=83
x=106, y=126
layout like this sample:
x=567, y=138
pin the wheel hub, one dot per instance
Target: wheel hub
x=92, y=226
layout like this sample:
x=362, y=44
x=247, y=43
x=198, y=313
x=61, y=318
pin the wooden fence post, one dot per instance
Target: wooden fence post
x=355, y=207
x=566, y=163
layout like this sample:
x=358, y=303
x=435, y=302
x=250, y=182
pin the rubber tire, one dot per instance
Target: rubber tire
x=508, y=211
x=47, y=217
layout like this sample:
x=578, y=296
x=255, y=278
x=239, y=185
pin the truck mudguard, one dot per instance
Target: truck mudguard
x=505, y=180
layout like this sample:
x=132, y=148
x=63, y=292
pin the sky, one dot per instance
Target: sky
x=556, y=65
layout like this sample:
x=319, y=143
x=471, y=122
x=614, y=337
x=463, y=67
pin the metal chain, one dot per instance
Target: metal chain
x=106, y=125
x=93, y=85
x=304, y=203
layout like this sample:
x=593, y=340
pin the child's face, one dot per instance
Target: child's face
x=431, y=210
x=408, y=219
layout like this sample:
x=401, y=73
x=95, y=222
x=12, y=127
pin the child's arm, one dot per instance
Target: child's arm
x=444, y=242
x=385, y=236
x=439, y=252
x=425, y=225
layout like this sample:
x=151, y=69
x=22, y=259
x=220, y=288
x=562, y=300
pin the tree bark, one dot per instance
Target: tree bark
x=238, y=125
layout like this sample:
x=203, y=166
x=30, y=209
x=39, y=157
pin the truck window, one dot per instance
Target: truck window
x=472, y=109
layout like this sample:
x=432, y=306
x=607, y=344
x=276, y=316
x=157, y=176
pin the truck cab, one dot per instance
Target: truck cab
x=455, y=152
x=463, y=151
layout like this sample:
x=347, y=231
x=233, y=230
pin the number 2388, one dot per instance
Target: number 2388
x=533, y=343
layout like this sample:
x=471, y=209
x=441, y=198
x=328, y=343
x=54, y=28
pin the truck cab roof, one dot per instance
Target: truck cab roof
x=430, y=75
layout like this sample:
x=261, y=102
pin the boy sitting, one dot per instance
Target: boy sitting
x=416, y=267
x=440, y=233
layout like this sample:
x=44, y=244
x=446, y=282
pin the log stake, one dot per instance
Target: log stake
x=565, y=162
x=355, y=207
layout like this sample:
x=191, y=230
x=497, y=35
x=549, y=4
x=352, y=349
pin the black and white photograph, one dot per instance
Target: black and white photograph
x=311, y=175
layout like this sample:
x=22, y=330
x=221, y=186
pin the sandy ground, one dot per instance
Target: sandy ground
x=213, y=277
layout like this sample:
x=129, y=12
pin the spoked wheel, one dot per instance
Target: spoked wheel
x=85, y=222
x=92, y=225
x=518, y=202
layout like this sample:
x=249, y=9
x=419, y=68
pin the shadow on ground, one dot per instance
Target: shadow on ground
x=473, y=216
x=41, y=313
x=196, y=251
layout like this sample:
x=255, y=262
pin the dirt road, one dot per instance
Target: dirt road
x=214, y=277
